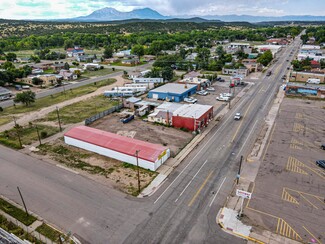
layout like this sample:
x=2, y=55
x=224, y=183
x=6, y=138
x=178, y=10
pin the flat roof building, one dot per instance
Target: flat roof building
x=173, y=92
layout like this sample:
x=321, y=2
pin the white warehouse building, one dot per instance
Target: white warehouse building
x=150, y=156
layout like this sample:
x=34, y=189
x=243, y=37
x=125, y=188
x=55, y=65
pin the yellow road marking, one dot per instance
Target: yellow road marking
x=242, y=121
x=286, y=196
x=294, y=165
x=284, y=229
x=311, y=234
x=305, y=193
x=200, y=189
x=299, y=116
x=308, y=201
x=268, y=144
x=320, y=199
x=258, y=211
x=297, y=127
x=294, y=144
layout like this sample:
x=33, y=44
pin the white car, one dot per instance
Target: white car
x=203, y=93
x=190, y=100
x=237, y=116
x=226, y=94
x=211, y=89
x=222, y=98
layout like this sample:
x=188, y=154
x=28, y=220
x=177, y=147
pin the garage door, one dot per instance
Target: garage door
x=155, y=96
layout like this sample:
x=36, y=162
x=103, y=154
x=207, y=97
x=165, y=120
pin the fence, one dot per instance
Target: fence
x=100, y=115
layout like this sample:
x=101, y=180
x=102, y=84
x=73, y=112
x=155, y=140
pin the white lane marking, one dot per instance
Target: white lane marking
x=247, y=137
x=217, y=192
x=212, y=137
x=268, y=100
x=191, y=180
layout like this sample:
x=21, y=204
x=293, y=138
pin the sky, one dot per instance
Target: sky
x=57, y=9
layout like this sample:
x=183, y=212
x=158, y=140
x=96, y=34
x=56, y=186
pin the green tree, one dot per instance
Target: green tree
x=167, y=73
x=138, y=50
x=8, y=65
x=66, y=66
x=11, y=57
x=35, y=58
x=108, y=52
x=37, y=81
x=26, y=97
x=265, y=58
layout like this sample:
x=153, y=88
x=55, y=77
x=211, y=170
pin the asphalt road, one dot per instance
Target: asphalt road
x=183, y=210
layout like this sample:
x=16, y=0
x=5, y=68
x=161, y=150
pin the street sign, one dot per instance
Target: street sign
x=243, y=194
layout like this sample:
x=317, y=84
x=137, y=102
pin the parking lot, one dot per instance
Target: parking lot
x=174, y=139
x=289, y=191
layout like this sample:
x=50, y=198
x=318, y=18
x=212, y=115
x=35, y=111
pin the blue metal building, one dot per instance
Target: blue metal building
x=173, y=92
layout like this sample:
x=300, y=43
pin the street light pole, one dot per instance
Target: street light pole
x=137, y=156
x=238, y=174
x=57, y=112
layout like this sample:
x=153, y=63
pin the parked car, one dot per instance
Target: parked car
x=237, y=116
x=321, y=163
x=211, y=89
x=269, y=73
x=203, y=93
x=190, y=100
x=222, y=98
x=322, y=146
x=226, y=94
x=128, y=119
x=221, y=80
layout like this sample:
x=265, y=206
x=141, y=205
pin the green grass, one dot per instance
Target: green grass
x=17, y=213
x=5, y=120
x=16, y=230
x=99, y=72
x=57, y=98
x=79, y=111
x=27, y=134
x=49, y=232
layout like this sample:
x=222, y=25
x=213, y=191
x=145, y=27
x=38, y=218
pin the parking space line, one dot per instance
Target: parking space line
x=284, y=229
x=286, y=196
x=261, y=212
x=294, y=144
x=200, y=189
x=311, y=234
x=294, y=165
x=297, y=127
x=299, y=116
x=307, y=200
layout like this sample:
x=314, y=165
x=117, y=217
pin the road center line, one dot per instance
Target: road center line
x=217, y=192
x=191, y=180
x=200, y=189
x=212, y=137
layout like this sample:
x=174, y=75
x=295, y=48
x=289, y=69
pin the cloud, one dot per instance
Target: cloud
x=33, y=9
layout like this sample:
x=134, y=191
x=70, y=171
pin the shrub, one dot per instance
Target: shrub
x=43, y=134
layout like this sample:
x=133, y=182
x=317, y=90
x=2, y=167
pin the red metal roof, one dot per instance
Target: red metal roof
x=122, y=144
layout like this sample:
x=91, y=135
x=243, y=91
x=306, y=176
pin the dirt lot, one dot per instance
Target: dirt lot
x=172, y=138
x=289, y=189
x=106, y=170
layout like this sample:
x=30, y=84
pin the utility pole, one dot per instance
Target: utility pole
x=137, y=156
x=39, y=138
x=18, y=132
x=238, y=174
x=57, y=112
x=22, y=199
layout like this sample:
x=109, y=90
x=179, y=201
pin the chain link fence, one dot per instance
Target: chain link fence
x=100, y=115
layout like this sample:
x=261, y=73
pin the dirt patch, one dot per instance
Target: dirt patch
x=172, y=138
x=118, y=174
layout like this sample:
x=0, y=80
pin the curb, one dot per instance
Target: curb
x=220, y=216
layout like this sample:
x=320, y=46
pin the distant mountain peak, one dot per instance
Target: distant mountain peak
x=108, y=14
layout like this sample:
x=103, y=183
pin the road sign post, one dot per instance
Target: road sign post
x=243, y=195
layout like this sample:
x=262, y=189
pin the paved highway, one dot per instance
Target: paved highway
x=183, y=210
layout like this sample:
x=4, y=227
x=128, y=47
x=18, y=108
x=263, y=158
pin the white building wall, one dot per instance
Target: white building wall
x=148, y=80
x=116, y=155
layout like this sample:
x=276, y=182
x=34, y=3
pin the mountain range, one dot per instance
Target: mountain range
x=111, y=14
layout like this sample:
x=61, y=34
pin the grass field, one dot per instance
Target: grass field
x=27, y=134
x=17, y=213
x=57, y=98
x=79, y=111
x=99, y=72
x=49, y=232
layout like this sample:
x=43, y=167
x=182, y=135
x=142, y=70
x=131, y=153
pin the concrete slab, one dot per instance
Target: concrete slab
x=231, y=222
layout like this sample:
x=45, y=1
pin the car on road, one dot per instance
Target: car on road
x=222, y=98
x=237, y=116
x=268, y=73
x=321, y=163
x=211, y=89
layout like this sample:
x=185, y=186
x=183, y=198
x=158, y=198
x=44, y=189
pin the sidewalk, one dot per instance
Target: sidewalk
x=227, y=217
x=166, y=169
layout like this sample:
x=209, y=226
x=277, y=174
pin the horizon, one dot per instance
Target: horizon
x=41, y=9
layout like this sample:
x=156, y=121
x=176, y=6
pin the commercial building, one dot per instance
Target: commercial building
x=252, y=65
x=172, y=92
x=200, y=82
x=310, y=90
x=243, y=71
x=150, y=156
x=273, y=48
x=148, y=80
x=192, y=116
x=163, y=113
x=305, y=75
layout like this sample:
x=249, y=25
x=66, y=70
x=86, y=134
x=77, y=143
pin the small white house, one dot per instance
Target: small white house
x=150, y=156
